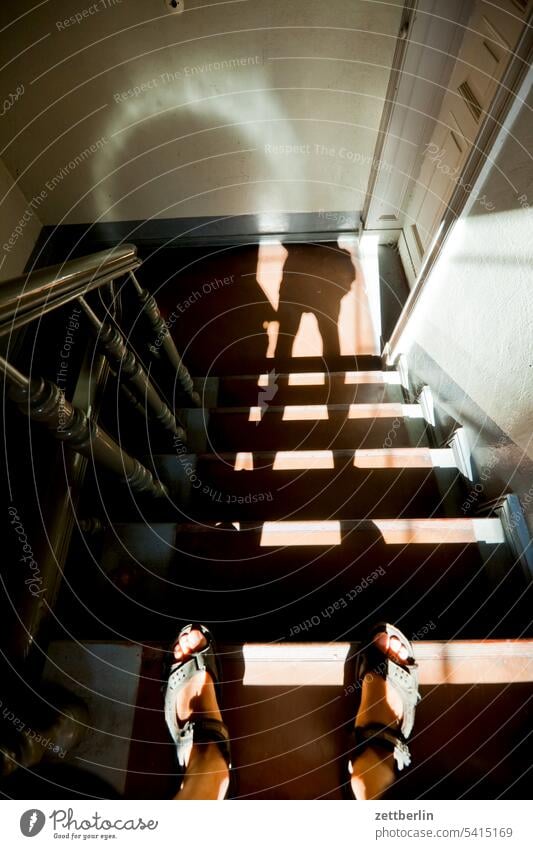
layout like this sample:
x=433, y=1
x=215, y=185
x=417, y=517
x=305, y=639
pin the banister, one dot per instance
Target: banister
x=124, y=363
x=31, y=295
x=43, y=401
x=163, y=336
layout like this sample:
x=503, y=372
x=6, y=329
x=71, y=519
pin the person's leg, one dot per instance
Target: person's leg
x=373, y=770
x=207, y=775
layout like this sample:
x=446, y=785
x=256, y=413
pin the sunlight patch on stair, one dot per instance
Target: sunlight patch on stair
x=303, y=460
x=272, y=331
x=324, y=664
x=244, y=461
x=362, y=458
x=256, y=414
x=317, y=378
x=384, y=411
x=403, y=458
x=308, y=340
x=300, y=533
x=294, y=664
x=392, y=531
x=375, y=411
x=388, y=377
x=268, y=379
x=360, y=311
x=305, y=412
x=435, y=531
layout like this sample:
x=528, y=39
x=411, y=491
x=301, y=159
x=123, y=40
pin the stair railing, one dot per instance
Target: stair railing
x=29, y=297
x=162, y=336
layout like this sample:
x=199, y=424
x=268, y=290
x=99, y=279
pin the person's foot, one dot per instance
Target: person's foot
x=198, y=698
x=373, y=770
x=198, y=695
x=380, y=700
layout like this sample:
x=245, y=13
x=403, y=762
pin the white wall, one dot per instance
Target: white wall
x=225, y=85
x=475, y=316
x=19, y=227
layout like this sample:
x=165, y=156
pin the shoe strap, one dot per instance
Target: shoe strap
x=202, y=731
x=404, y=678
x=376, y=734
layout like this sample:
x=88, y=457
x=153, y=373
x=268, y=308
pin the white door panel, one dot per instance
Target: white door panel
x=486, y=48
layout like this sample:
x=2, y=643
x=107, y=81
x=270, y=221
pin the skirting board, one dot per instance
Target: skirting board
x=323, y=226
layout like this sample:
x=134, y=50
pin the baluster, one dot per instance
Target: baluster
x=44, y=402
x=162, y=333
x=123, y=361
x=131, y=398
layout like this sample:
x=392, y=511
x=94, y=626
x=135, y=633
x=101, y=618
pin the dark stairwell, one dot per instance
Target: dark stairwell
x=308, y=499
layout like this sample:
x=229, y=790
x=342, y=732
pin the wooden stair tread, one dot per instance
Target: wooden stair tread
x=299, y=388
x=324, y=459
x=440, y=662
x=302, y=378
x=232, y=430
x=317, y=412
x=317, y=493
x=230, y=363
x=395, y=531
x=224, y=577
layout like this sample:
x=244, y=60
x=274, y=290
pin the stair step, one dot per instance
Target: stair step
x=367, y=458
x=326, y=533
x=289, y=708
x=230, y=362
x=266, y=581
x=439, y=662
x=300, y=388
x=332, y=485
x=342, y=483
x=320, y=412
x=307, y=427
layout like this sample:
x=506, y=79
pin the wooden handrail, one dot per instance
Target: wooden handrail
x=31, y=295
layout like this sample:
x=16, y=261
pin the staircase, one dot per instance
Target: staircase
x=293, y=525
x=310, y=516
x=286, y=500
